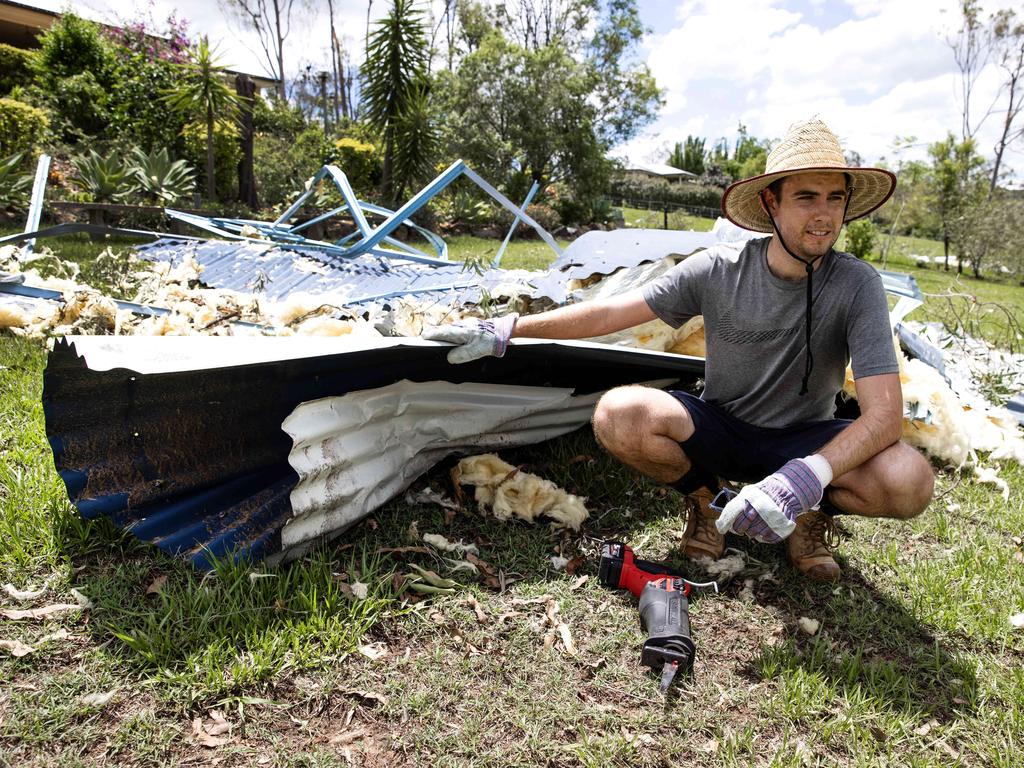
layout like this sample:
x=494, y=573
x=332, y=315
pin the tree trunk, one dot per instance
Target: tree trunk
x=280, y=48
x=211, y=189
x=345, y=109
x=945, y=250
x=246, y=88
x=386, y=182
x=1001, y=144
x=335, y=63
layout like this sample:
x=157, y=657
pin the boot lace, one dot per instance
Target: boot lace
x=822, y=532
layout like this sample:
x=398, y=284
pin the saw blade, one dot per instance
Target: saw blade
x=668, y=674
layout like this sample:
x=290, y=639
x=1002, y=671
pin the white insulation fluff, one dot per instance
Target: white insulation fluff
x=511, y=493
x=937, y=421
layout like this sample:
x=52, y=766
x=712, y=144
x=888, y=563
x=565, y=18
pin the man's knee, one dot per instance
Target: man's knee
x=627, y=417
x=898, y=483
x=907, y=482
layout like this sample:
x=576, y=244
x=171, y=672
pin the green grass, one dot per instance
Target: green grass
x=916, y=662
x=638, y=218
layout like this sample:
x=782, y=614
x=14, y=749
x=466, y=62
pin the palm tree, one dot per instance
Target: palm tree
x=394, y=97
x=204, y=93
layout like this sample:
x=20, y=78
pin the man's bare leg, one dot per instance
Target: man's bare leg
x=897, y=483
x=643, y=427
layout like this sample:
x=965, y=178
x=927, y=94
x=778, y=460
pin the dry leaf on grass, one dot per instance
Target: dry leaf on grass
x=206, y=739
x=23, y=594
x=531, y=600
x=156, y=585
x=374, y=651
x=40, y=613
x=490, y=574
x=566, y=635
x=925, y=729
x=579, y=583
x=83, y=601
x=16, y=648
x=347, y=737
x=1017, y=621
x=370, y=696
x=220, y=723
x=481, y=616
x=573, y=565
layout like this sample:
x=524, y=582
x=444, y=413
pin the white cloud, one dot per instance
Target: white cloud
x=884, y=71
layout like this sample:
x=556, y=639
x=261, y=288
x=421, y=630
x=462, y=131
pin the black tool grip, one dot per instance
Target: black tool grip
x=664, y=613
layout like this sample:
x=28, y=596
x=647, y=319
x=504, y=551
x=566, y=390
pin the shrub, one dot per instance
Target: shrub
x=277, y=117
x=861, y=236
x=135, y=115
x=22, y=126
x=360, y=161
x=226, y=153
x=283, y=165
x=15, y=67
x=69, y=47
x=660, y=191
x=79, y=106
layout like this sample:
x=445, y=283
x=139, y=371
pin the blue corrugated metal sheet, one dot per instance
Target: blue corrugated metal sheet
x=196, y=461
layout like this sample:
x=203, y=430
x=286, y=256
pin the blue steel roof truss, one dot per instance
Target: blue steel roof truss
x=366, y=239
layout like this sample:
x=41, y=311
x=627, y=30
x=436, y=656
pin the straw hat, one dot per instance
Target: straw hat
x=807, y=146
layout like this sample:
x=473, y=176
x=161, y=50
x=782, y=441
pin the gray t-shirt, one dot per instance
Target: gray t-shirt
x=754, y=325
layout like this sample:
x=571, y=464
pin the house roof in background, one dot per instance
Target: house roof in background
x=20, y=25
x=660, y=169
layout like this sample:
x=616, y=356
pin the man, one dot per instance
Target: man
x=782, y=318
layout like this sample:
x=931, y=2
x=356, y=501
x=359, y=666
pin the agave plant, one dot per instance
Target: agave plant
x=160, y=179
x=104, y=179
x=14, y=186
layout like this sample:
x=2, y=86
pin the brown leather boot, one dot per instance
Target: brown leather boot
x=701, y=538
x=810, y=546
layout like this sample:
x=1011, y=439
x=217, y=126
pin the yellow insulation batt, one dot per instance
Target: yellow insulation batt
x=511, y=493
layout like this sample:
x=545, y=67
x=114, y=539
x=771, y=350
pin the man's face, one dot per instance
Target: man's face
x=809, y=211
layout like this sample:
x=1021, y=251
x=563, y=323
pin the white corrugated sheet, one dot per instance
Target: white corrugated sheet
x=355, y=452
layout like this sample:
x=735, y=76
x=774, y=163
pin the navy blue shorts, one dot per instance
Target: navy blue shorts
x=723, y=445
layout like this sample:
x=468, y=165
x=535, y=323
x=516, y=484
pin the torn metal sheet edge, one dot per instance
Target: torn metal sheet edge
x=174, y=354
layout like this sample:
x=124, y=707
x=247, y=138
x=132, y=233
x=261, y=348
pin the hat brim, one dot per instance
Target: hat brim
x=741, y=203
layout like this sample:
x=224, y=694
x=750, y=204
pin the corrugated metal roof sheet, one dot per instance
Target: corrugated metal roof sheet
x=180, y=440
x=278, y=272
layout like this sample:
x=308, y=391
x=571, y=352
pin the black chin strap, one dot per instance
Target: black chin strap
x=809, y=268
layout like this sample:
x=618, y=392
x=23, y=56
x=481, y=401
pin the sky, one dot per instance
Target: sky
x=874, y=70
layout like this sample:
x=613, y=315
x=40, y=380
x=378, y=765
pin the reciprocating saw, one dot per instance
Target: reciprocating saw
x=664, y=608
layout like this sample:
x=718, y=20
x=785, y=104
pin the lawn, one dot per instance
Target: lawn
x=915, y=661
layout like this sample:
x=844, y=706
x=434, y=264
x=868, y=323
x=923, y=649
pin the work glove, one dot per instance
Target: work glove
x=767, y=511
x=476, y=338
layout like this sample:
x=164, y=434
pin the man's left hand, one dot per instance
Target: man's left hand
x=767, y=511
